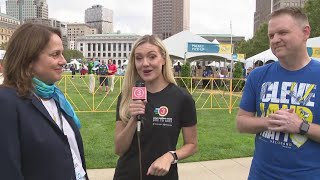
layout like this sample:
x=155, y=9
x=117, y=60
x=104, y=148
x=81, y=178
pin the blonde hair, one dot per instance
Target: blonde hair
x=131, y=75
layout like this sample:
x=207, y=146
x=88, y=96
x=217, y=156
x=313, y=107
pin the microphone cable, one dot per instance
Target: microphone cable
x=139, y=151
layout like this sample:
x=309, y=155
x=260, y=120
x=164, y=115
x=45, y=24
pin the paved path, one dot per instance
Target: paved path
x=228, y=169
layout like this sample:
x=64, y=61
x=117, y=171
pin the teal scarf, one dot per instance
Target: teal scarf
x=51, y=91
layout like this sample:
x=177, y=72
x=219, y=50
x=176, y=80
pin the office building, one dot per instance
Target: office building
x=8, y=25
x=26, y=9
x=100, y=18
x=265, y=7
x=116, y=46
x=77, y=30
x=170, y=17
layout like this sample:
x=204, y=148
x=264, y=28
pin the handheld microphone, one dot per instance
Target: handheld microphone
x=139, y=92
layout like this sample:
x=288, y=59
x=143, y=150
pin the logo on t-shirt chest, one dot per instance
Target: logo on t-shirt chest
x=160, y=117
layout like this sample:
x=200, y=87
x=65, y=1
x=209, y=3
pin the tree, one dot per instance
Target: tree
x=259, y=42
x=4, y=45
x=238, y=73
x=185, y=72
x=72, y=54
x=312, y=9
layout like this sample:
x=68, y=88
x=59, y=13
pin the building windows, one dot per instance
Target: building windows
x=119, y=47
x=114, y=55
x=130, y=44
x=109, y=46
x=109, y=55
x=124, y=47
x=114, y=46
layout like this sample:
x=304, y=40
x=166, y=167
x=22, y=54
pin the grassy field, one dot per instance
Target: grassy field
x=217, y=134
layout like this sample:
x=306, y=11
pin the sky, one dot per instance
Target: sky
x=135, y=16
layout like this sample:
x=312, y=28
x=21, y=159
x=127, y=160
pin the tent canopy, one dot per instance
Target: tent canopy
x=176, y=63
x=267, y=55
x=177, y=46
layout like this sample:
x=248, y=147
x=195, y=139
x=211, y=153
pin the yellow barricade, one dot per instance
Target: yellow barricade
x=208, y=93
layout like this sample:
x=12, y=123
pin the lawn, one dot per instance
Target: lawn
x=217, y=134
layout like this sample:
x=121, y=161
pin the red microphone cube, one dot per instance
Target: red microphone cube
x=139, y=93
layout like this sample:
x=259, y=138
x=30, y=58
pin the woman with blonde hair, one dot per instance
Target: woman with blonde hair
x=167, y=110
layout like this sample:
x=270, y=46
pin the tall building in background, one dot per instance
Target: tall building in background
x=8, y=25
x=27, y=9
x=265, y=7
x=100, y=18
x=170, y=17
x=76, y=30
x=263, y=10
x=277, y=4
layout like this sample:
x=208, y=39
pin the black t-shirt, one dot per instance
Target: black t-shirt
x=167, y=112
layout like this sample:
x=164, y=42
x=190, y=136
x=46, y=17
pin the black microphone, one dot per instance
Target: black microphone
x=139, y=92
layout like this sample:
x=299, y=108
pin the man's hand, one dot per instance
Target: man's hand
x=284, y=120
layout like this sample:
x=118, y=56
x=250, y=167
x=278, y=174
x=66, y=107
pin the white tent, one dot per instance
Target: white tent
x=215, y=41
x=75, y=63
x=176, y=63
x=213, y=63
x=268, y=55
x=125, y=63
x=2, y=52
x=177, y=45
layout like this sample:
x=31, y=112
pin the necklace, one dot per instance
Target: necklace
x=50, y=106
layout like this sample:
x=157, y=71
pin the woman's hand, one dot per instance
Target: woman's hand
x=161, y=166
x=137, y=107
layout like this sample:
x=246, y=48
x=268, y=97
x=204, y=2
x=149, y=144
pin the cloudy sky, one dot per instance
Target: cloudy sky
x=135, y=16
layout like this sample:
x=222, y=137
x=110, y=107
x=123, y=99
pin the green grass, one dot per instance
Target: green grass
x=217, y=138
x=217, y=134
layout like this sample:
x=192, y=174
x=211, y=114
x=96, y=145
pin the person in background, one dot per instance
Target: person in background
x=280, y=104
x=91, y=76
x=1, y=72
x=73, y=71
x=83, y=70
x=112, y=69
x=121, y=71
x=39, y=132
x=164, y=118
x=177, y=69
x=102, y=71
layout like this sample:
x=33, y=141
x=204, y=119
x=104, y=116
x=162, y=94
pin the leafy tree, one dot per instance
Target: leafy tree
x=312, y=9
x=238, y=73
x=72, y=54
x=259, y=42
x=4, y=45
x=185, y=72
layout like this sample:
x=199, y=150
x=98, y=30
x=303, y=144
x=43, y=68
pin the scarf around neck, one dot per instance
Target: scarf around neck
x=46, y=91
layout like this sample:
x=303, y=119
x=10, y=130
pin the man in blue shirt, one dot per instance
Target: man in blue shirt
x=281, y=104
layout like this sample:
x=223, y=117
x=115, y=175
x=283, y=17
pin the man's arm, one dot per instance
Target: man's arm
x=247, y=122
x=286, y=120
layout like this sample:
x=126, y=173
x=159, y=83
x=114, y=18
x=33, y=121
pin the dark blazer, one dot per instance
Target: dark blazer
x=32, y=145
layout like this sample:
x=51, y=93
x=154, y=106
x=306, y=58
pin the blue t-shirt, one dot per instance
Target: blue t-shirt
x=281, y=155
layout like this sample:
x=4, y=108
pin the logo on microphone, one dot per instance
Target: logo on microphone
x=139, y=93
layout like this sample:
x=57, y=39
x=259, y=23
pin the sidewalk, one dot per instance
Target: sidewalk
x=228, y=169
